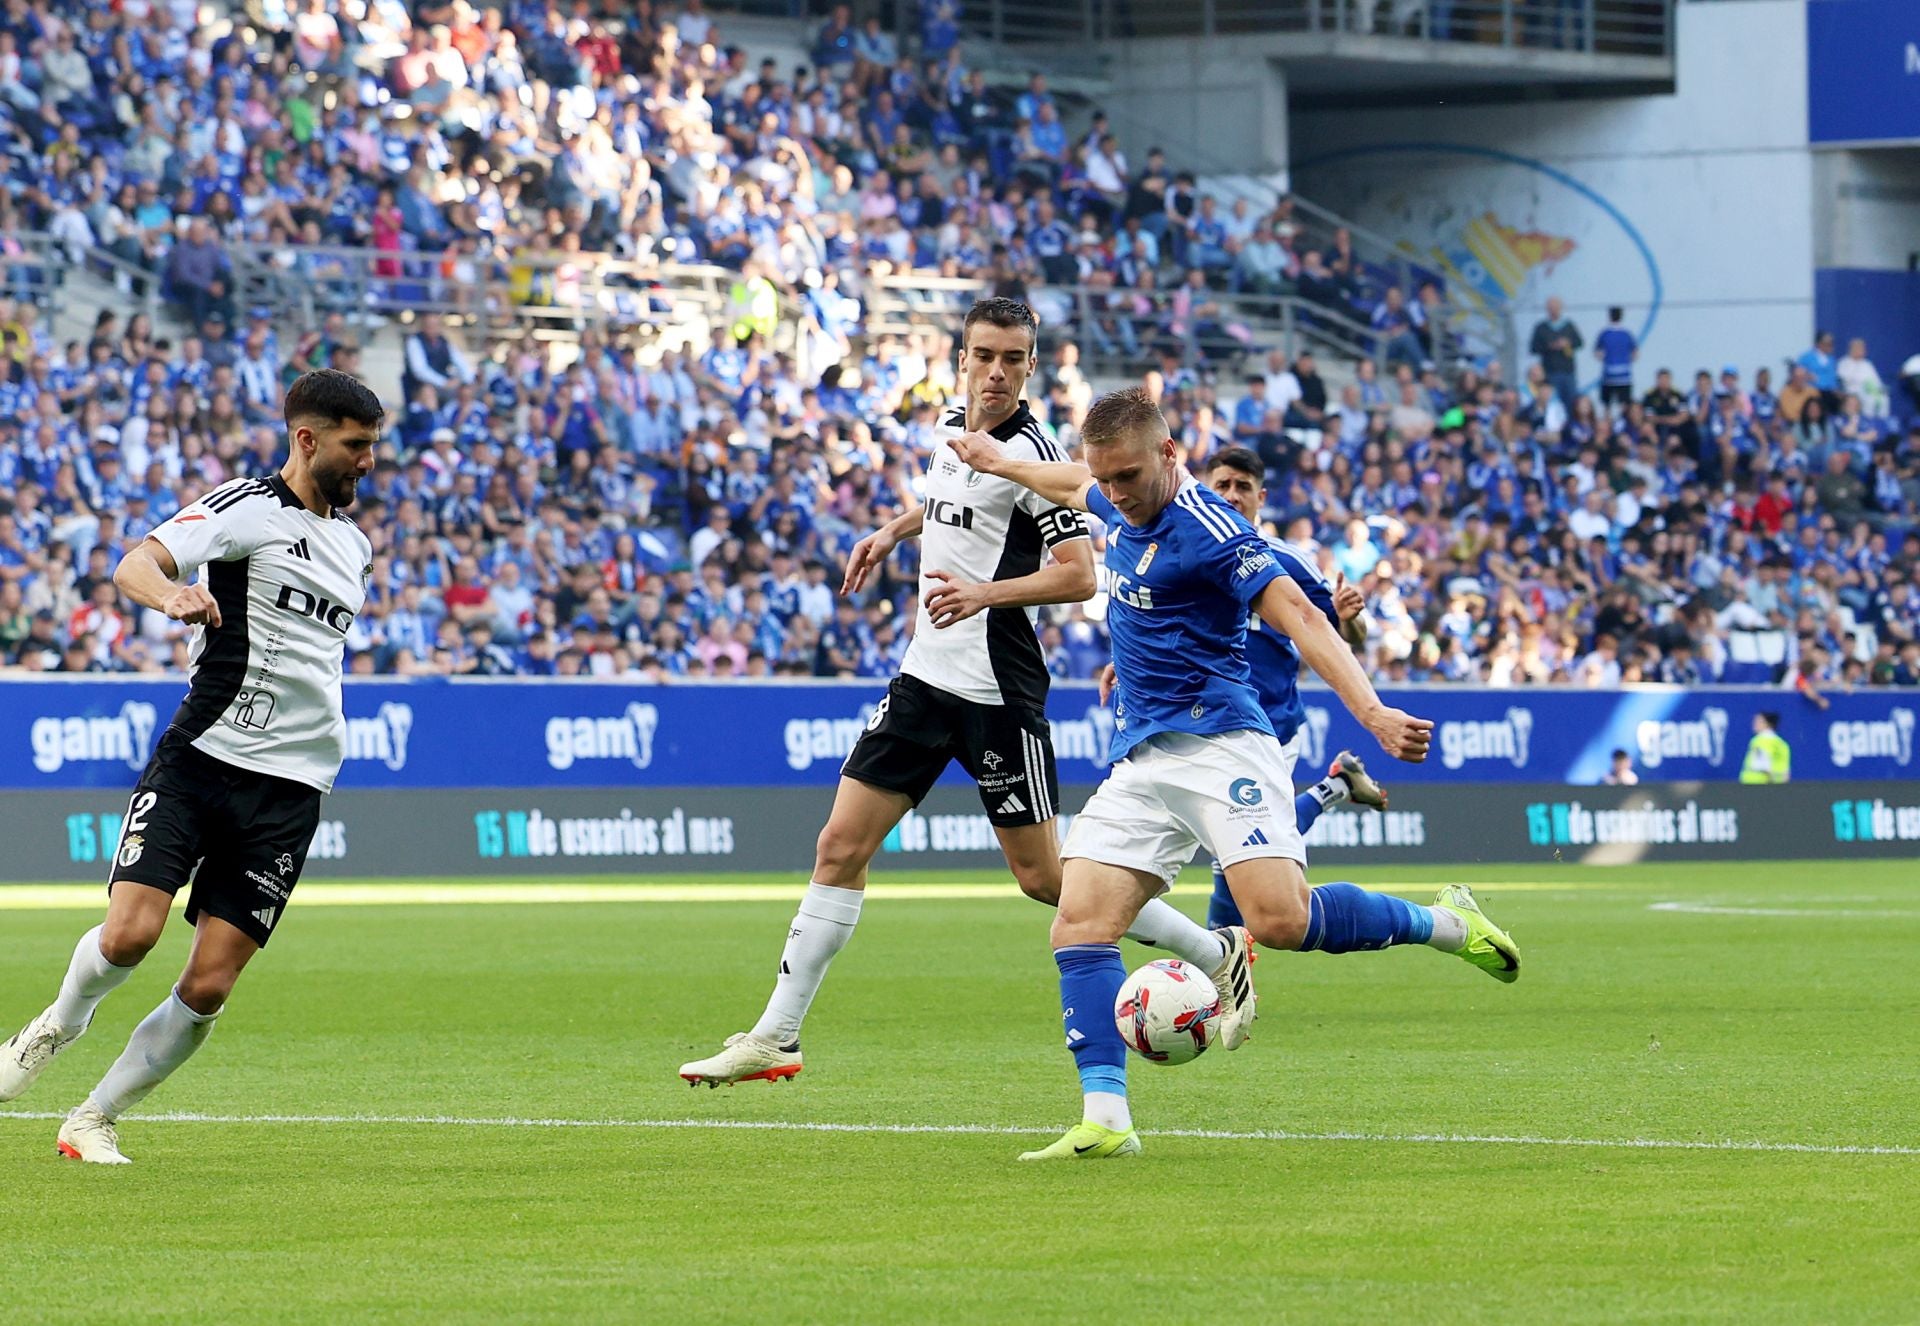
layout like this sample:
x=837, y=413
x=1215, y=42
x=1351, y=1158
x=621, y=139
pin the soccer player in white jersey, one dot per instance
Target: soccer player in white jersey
x=1195, y=760
x=972, y=688
x=230, y=799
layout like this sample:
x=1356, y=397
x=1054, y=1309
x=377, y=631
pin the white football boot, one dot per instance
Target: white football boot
x=33, y=1047
x=746, y=1058
x=90, y=1136
x=1233, y=978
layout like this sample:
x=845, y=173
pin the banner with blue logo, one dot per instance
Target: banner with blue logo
x=57, y=733
x=1863, y=71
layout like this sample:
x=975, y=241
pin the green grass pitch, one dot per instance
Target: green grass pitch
x=1778, y=1010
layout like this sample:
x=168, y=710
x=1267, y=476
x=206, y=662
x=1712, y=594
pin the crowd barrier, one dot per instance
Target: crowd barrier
x=582, y=733
x=523, y=777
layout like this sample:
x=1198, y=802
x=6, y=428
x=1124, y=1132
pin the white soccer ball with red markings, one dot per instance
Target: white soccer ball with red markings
x=1168, y=1012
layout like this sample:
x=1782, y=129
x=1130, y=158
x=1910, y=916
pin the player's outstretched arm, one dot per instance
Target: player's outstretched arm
x=1063, y=483
x=872, y=550
x=146, y=575
x=1287, y=610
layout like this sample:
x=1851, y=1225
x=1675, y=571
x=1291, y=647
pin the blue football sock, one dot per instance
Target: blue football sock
x=1306, y=809
x=1221, y=908
x=1090, y=979
x=1345, y=918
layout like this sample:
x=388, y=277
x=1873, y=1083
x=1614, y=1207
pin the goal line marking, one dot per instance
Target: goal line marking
x=995, y=1130
x=1715, y=909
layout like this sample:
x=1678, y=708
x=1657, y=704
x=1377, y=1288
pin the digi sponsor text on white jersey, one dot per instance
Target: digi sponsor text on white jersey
x=979, y=529
x=265, y=684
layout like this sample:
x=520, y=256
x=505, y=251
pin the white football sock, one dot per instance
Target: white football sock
x=165, y=1039
x=1109, y=1110
x=90, y=978
x=821, y=928
x=1330, y=791
x=1162, y=925
x=1449, y=930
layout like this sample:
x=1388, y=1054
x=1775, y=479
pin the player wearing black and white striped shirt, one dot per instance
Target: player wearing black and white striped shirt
x=972, y=688
x=231, y=798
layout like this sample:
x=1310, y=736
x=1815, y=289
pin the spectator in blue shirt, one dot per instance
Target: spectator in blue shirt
x=1250, y=412
x=1824, y=369
x=1616, y=349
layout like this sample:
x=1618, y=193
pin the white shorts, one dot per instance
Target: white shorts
x=1229, y=794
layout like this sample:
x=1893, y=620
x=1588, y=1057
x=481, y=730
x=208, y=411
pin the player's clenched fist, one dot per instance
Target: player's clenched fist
x=193, y=605
x=980, y=450
x=1402, y=735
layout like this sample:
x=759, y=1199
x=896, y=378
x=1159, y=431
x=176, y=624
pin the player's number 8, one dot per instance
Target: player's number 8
x=879, y=712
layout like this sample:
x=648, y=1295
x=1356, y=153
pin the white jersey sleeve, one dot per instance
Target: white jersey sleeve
x=219, y=527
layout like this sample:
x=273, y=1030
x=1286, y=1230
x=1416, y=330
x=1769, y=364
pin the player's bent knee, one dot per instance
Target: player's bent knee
x=125, y=943
x=206, y=992
x=1276, y=931
x=1040, y=885
x=840, y=857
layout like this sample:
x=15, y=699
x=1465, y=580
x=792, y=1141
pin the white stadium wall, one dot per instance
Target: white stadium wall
x=1694, y=210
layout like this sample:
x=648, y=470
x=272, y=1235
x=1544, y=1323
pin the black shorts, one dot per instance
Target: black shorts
x=240, y=837
x=1007, y=748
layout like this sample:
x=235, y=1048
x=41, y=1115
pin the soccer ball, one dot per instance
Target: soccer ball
x=1168, y=1012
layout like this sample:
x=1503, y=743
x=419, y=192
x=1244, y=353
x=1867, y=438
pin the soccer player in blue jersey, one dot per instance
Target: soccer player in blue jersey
x=1195, y=763
x=1236, y=474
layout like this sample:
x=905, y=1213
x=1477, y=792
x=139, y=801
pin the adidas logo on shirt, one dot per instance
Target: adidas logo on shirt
x=1258, y=838
x=299, y=550
x=1013, y=805
x=265, y=916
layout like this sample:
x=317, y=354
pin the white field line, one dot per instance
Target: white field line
x=1000, y=1130
x=1715, y=909
x=90, y=897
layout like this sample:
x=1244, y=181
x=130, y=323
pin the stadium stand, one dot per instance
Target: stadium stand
x=670, y=332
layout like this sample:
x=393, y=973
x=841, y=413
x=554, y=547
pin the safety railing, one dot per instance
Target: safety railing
x=1124, y=331
x=33, y=270
x=1603, y=27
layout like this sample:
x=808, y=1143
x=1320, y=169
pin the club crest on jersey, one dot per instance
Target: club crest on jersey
x=973, y=477
x=130, y=850
x=1146, y=559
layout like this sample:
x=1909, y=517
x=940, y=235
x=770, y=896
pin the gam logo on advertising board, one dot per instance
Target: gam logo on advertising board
x=1890, y=738
x=625, y=736
x=1703, y=738
x=383, y=736
x=1313, y=736
x=123, y=738
x=1088, y=738
x=1506, y=739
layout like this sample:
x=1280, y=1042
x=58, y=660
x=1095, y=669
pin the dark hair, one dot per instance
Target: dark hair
x=1614, y=314
x=998, y=312
x=1119, y=413
x=1619, y=754
x=1241, y=460
x=1773, y=719
x=327, y=393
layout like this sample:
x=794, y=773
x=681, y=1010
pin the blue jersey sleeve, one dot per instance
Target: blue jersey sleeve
x=1097, y=504
x=1237, y=558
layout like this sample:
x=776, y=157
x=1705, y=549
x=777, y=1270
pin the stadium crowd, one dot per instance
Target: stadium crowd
x=680, y=514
